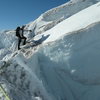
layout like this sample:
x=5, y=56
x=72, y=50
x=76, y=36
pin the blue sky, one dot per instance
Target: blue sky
x=14, y=13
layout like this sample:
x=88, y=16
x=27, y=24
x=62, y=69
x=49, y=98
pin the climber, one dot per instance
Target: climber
x=19, y=34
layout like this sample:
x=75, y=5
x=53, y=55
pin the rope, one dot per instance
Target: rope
x=4, y=92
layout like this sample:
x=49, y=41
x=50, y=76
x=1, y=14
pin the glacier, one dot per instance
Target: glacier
x=65, y=66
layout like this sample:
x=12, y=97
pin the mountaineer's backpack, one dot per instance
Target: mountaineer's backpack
x=18, y=32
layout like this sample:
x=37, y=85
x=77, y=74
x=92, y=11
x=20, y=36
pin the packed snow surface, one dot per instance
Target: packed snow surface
x=65, y=63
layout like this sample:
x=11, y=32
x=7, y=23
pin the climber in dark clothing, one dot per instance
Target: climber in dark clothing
x=19, y=34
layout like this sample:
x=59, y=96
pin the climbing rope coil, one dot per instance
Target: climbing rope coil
x=2, y=90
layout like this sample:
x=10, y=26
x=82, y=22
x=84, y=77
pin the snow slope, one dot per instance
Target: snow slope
x=54, y=16
x=65, y=66
x=75, y=22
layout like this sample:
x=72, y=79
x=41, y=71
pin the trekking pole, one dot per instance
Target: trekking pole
x=4, y=92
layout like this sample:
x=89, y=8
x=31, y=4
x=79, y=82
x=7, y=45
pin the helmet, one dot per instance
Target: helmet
x=18, y=28
x=23, y=26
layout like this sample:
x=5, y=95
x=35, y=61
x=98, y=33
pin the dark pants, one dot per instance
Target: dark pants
x=19, y=41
